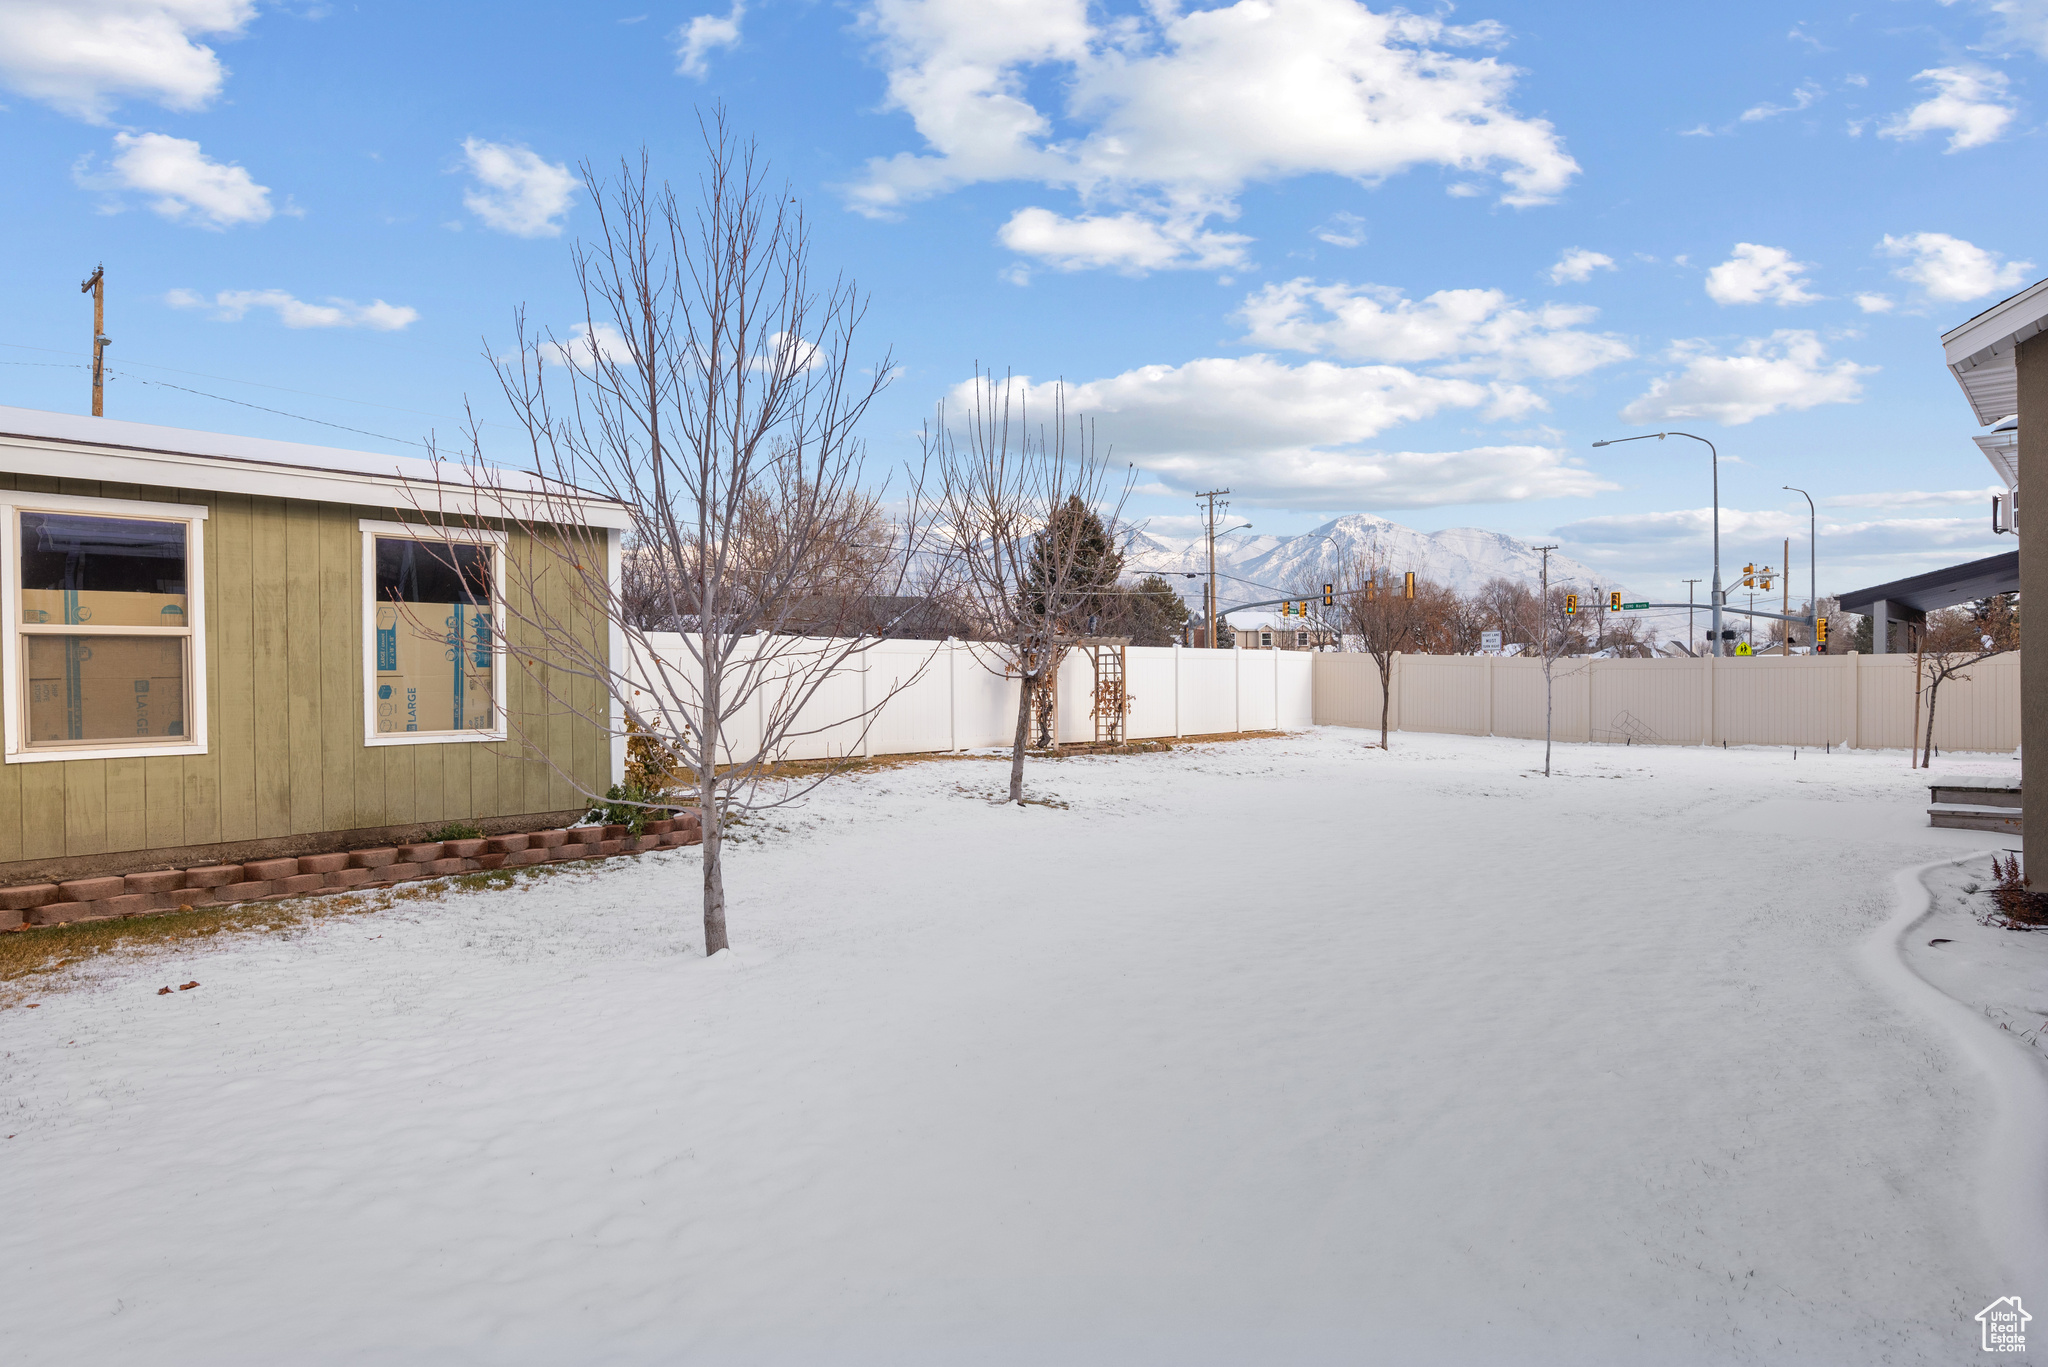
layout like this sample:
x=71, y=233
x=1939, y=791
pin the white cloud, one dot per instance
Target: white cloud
x=1754, y=275
x=1173, y=113
x=1851, y=553
x=1577, y=265
x=185, y=185
x=516, y=191
x=1914, y=498
x=1342, y=230
x=1126, y=242
x=83, y=56
x=2018, y=23
x=231, y=306
x=1972, y=107
x=585, y=346
x=1803, y=98
x=1951, y=269
x=705, y=34
x=1292, y=433
x=1875, y=303
x=1467, y=332
x=1787, y=370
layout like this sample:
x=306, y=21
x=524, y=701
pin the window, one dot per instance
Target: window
x=430, y=662
x=1301, y=638
x=104, y=647
x=1265, y=639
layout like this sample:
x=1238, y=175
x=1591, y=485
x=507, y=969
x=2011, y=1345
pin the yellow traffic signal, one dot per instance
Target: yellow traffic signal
x=1820, y=634
x=1329, y=595
x=1410, y=593
x=1749, y=576
x=1571, y=604
x=1614, y=601
x=1370, y=592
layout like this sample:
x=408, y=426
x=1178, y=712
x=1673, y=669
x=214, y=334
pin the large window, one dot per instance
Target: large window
x=104, y=652
x=430, y=667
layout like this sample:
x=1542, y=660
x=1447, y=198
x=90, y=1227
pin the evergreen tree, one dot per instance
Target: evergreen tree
x=1153, y=613
x=1074, y=540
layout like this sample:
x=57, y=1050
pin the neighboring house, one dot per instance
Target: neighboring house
x=1285, y=635
x=219, y=648
x=2000, y=358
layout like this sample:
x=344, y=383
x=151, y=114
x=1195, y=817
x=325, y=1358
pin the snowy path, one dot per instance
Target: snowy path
x=1287, y=1051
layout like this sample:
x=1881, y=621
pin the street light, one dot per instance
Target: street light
x=1715, y=456
x=1812, y=559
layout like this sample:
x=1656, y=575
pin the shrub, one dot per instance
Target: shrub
x=458, y=830
x=625, y=804
x=2019, y=906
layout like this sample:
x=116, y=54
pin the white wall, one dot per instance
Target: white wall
x=1863, y=701
x=948, y=695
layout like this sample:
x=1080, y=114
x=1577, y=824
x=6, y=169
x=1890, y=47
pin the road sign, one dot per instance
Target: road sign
x=1489, y=640
x=1631, y=607
x=1744, y=649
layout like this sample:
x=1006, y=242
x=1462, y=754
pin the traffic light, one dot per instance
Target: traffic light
x=1749, y=576
x=1410, y=591
x=1820, y=631
x=1571, y=604
x=1370, y=591
x=1614, y=601
x=1764, y=578
x=1329, y=595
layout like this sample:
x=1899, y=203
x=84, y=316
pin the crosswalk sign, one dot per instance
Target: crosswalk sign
x=1743, y=649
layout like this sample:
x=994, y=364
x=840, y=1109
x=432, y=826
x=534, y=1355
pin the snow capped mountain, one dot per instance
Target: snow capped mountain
x=1254, y=568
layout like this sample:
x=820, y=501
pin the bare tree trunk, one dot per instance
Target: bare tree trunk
x=714, y=875
x=1023, y=735
x=1933, y=693
x=1386, y=696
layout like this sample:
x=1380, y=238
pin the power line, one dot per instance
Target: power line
x=339, y=427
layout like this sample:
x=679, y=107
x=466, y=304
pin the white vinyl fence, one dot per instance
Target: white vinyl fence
x=1861, y=701
x=948, y=695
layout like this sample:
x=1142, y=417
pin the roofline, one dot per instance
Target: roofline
x=114, y=462
x=1981, y=352
x=1900, y=588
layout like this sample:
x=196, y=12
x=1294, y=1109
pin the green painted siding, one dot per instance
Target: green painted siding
x=284, y=663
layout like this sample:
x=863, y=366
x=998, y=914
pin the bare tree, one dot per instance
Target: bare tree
x=1381, y=608
x=1956, y=638
x=1023, y=567
x=712, y=389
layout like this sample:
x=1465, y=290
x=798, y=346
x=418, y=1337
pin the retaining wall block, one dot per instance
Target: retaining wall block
x=419, y=854
x=92, y=889
x=585, y=835
x=245, y=891
x=184, y=899
x=489, y=861
x=616, y=832
x=213, y=876
x=547, y=840
x=323, y=863
x=28, y=895
x=57, y=913
x=373, y=859
x=135, y=903
x=505, y=844
x=520, y=858
x=347, y=878
x=461, y=849
x=436, y=868
x=645, y=842
x=157, y=880
x=610, y=844
x=398, y=873
x=661, y=827
x=10, y=918
x=302, y=882
x=269, y=870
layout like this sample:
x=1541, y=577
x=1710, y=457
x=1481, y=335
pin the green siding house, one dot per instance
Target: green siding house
x=219, y=647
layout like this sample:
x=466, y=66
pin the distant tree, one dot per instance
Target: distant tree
x=1151, y=613
x=1074, y=567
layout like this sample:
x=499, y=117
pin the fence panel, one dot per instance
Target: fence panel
x=1153, y=675
x=1208, y=691
x=1257, y=701
x=1296, y=701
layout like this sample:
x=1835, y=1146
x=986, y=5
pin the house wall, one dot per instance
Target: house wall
x=284, y=640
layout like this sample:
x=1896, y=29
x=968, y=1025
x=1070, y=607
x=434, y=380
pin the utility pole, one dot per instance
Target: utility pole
x=1544, y=612
x=1209, y=528
x=1688, y=609
x=1785, y=583
x=96, y=285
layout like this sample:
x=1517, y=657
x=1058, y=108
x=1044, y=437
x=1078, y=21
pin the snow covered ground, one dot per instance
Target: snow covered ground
x=1288, y=1051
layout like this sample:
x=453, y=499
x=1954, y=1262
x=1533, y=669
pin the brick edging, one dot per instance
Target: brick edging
x=165, y=890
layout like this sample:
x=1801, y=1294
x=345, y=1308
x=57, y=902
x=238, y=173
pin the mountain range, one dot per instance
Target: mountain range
x=1252, y=568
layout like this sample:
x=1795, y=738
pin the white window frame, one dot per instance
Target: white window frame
x=13, y=688
x=415, y=531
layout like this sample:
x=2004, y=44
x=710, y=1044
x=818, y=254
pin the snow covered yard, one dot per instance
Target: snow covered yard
x=1286, y=1051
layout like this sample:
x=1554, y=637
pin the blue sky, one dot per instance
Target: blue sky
x=1336, y=258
